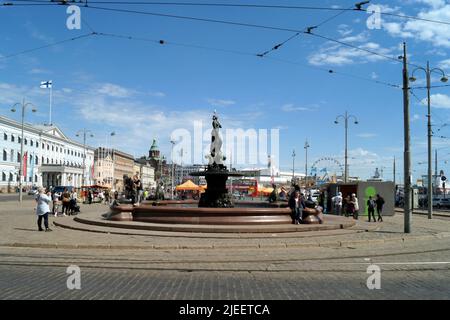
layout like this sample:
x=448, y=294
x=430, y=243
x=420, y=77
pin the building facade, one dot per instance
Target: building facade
x=50, y=158
x=123, y=164
x=104, y=168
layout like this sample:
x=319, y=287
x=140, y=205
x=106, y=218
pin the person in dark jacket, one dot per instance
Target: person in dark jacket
x=380, y=203
x=371, y=204
x=296, y=204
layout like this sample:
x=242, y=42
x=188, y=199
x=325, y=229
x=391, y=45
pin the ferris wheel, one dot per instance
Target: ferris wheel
x=326, y=168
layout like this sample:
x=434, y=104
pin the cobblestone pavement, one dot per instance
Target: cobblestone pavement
x=416, y=268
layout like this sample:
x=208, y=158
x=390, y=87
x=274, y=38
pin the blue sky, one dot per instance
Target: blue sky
x=142, y=90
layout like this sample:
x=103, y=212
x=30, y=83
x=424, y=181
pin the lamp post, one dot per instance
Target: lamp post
x=293, y=166
x=85, y=133
x=13, y=109
x=306, y=163
x=346, y=117
x=444, y=79
x=173, y=172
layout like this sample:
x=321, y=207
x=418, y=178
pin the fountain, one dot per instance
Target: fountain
x=216, y=211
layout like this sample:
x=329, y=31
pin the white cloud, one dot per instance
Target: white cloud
x=114, y=90
x=439, y=101
x=415, y=117
x=290, y=107
x=434, y=33
x=367, y=135
x=445, y=64
x=38, y=71
x=339, y=55
x=220, y=102
x=157, y=94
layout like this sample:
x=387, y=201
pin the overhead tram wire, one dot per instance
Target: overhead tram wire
x=198, y=4
x=164, y=42
x=423, y=103
x=277, y=46
x=247, y=25
x=86, y=35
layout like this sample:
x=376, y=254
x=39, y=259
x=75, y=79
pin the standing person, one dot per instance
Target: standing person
x=90, y=196
x=371, y=208
x=138, y=186
x=380, y=204
x=43, y=209
x=349, y=206
x=337, y=203
x=66, y=202
x=354, y=200
x=296, y=205
x=73, y=201
x=55, y=199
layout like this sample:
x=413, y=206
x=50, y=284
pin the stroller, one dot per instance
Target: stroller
x=74, y=208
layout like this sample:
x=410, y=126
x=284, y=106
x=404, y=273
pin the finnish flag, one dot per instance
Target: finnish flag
x=46, y=84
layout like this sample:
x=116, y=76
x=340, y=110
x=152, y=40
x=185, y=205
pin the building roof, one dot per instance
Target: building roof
x=154, y=146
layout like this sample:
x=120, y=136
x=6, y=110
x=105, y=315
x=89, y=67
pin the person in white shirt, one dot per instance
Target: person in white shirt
x=43, y=209
x=337, y=203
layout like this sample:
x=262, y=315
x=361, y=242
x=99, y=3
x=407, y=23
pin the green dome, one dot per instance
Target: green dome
x=154, y=146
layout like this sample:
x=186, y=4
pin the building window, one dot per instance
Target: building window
x=48, y=161
x=53, y=148
x=43, y=146
x=25, y=141
x=37, y=144
x=36, y=160
x=11, y=177
x=31, y=159
x=3, y=176
x=12, y=155
x=35, y=178
x=48, y=147
x=12, y=138
x=30, y=179
x=5, y=136
x=5, y=155
x=31, y=142
x=19, y=140
x=18, y=156
x=52, y=161
x=42, y=160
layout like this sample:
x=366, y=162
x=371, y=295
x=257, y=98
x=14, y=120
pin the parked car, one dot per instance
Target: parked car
x=441, y=203
x=33, y=192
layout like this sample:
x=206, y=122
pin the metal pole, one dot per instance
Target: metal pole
x=293, y=166
x=435, y=172
x=84, y=158
x=21, y=154
x=346, y=150
x=51, y=98
x=407, y=153
x=430, y=167
x=306, y=164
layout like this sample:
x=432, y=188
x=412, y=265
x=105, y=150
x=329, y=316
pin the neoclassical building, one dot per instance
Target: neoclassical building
x=52, y=159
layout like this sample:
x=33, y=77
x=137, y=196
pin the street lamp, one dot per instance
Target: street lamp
x=430, y=177
x=306, y=163
x=173, y=172
x=13, y=109
x=293, y=166
x=84, y=132
x=346, y=117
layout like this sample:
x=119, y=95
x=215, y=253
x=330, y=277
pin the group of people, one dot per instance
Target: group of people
x=298, y=202
x=349, y=206
x=69, y=201
x=133, y=189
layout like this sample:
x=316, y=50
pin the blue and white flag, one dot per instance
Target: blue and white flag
x=46, y=84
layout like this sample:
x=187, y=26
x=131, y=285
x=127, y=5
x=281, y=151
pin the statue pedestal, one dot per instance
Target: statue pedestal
x=216, y=194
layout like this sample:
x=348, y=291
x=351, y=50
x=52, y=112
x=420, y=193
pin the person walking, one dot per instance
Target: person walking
x=380, y=204
x=90, y=196
x=73, y=201
x=337, y=203
x=371, y=204
x=43, y=209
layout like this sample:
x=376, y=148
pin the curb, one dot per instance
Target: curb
x=281, y=245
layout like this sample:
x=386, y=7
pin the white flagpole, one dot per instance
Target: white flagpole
x=51, y=98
